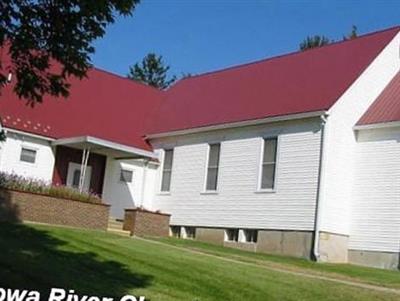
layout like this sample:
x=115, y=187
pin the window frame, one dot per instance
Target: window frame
x=259, y=188
x=205, y=190
x=160, y=191
x=175, y=231
x=29, y=148
x=243, y=237
x=122, y=169
x=187, y=234
x=236, y=235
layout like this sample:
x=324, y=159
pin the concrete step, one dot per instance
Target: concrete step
x=114, y=224
x=119, y=232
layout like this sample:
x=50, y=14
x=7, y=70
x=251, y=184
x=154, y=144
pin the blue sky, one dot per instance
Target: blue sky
x=196, y=36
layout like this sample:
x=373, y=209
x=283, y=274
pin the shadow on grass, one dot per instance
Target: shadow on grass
x=33, y=259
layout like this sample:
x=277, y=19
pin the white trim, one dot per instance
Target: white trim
x=27, y=134
x=105, y=143
x=260, y=165
x=380, y=125
x=236, y=124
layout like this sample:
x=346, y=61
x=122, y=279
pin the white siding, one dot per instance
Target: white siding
x=121, y=195
x=237, y=203
x=376, y=207
x=10, y=157
x=341, y=142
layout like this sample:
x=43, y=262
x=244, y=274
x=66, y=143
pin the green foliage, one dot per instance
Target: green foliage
x=314, y=42
x=15, y=182
x=49, y=41
x=152, y=71
x=352, y=35
x=319, y=41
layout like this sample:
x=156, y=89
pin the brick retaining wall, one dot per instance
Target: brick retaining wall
x=146, y=223
x=24, y=206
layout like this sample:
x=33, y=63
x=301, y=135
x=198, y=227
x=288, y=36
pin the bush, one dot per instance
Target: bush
x=15, y=182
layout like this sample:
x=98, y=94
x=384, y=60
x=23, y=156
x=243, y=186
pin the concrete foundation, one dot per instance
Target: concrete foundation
x=383, y=260
x=252, y=247
x=333, y=247
x=290, y=243
x=214, y=236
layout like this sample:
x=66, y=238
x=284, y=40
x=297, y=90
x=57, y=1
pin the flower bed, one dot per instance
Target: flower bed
x=19, y=183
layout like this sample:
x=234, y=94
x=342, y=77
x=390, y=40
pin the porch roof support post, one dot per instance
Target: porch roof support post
x=85, y=158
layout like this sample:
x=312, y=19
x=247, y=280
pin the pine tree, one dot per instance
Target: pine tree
x=314, y=42
x=152, y=71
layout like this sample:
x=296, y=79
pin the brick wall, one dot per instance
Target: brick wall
x=23, y=206
x=146, y=223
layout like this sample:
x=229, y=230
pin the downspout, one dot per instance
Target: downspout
x=145, y=164
x=320, y=190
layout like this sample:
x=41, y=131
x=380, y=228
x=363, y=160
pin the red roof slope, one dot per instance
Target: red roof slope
x=300, y=82
x=104, y=105
x=386, y=107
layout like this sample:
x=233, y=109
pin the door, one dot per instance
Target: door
x=74, y=173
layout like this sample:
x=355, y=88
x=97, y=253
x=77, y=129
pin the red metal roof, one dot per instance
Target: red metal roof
x=117, y=109
x=295, y=83
x=104, y=105
x=386, y=107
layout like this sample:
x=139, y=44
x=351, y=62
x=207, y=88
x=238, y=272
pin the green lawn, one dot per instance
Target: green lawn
x=91, y=262
x=373, y=276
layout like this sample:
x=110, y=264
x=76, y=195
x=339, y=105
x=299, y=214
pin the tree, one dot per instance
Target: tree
x=152, y=71
x=352, y=35
x=314, y=42
x=49, y=41
x=43, y=42
x=319, y=41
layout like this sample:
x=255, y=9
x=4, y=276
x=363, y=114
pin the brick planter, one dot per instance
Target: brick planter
x=146, y=223
x=25, y=206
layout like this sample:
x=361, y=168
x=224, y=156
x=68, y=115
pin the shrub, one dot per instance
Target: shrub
x=15, y=182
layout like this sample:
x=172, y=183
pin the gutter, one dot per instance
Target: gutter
x=380, y=125
x=237, y=124
x=319, y=203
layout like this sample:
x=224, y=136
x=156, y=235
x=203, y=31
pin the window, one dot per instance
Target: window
x=269, y=164
x=76, y=177
x=190, y=232
x=175, y=231
x=28, y=155
x=167, y=170
x=250, y=235
x=213, y=165
x=231, y=234
x=126, y=176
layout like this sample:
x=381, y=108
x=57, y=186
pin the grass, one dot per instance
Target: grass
x=97, y=263
x=380, y=277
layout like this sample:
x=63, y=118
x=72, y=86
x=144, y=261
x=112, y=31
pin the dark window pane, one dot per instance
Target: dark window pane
x=213, y=164
x=126, y=176
x=268, y=176
x=168, y=159
x=250, y=235
x=167, y=170
x=28, y=155
x=232, y=234
x=270, y=150
x=76, y=178
x=166, y=180
x=176, y=231
x=213, y=160
x=212, y=178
